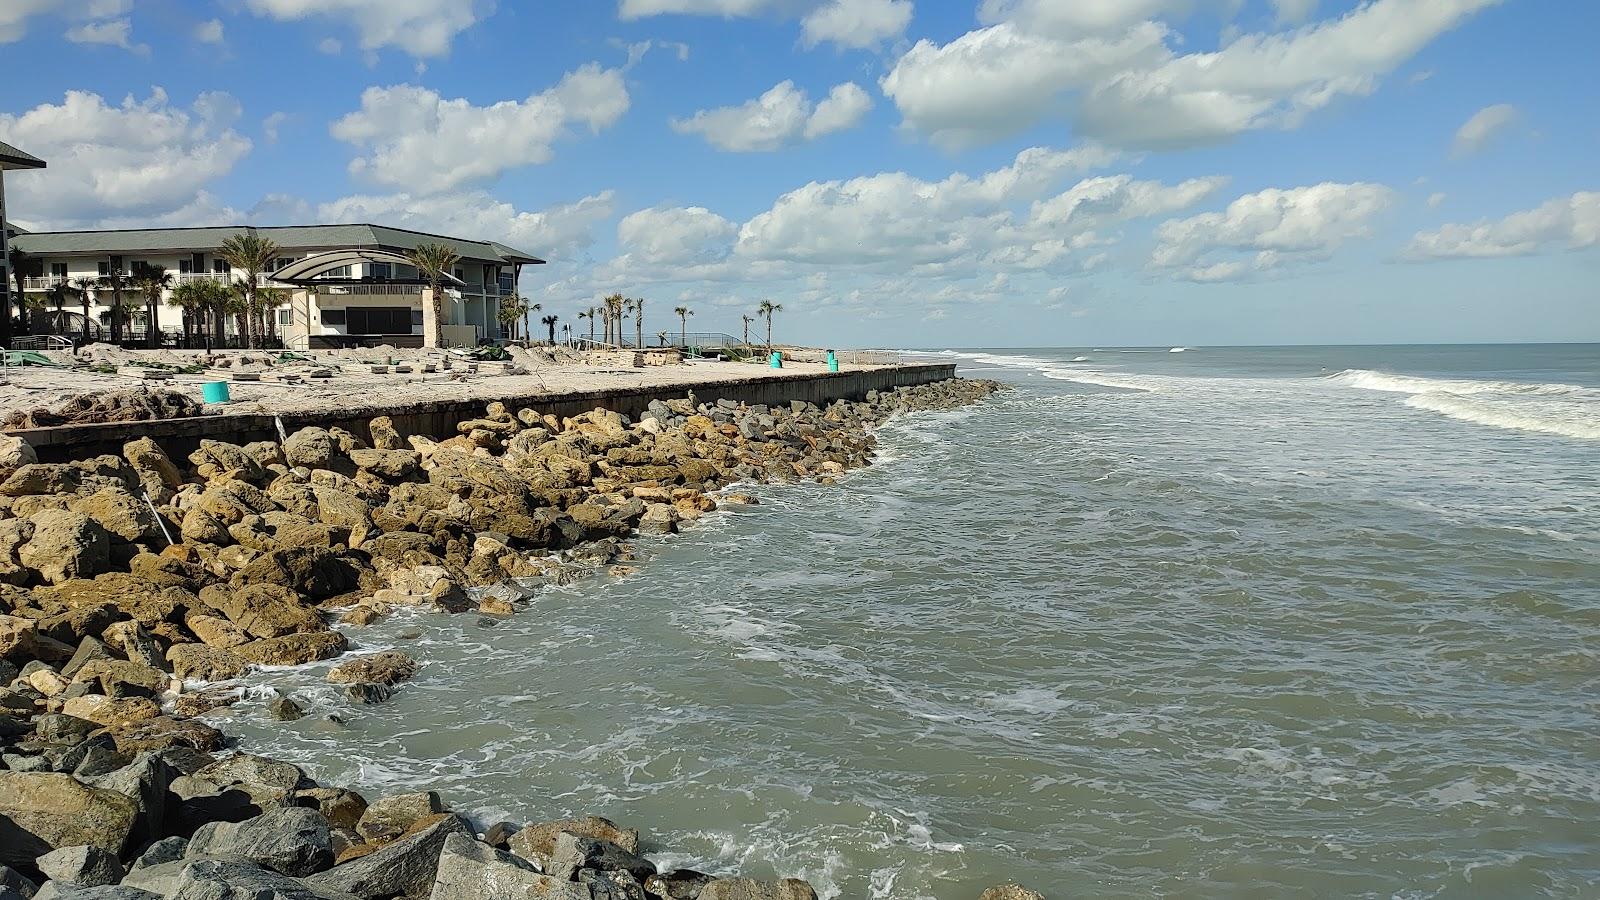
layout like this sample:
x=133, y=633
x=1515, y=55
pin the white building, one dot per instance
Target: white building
x=364, y=302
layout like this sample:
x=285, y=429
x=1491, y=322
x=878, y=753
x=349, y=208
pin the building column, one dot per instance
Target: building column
x=5, y=248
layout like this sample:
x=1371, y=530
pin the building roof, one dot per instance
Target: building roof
x=290, y=237
x=12, y=158
x=305, y=271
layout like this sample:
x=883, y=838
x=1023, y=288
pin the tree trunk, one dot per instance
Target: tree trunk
x=438, y=312
x=85, y=317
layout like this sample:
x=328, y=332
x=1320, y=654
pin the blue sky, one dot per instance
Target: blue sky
x=894, y=172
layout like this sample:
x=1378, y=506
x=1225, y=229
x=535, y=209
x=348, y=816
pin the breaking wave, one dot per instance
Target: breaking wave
x=1568, y=410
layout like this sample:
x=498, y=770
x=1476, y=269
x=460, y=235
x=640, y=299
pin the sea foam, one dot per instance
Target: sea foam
x=1548, y=408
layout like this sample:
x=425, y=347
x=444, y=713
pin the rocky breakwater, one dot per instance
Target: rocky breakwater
x=133, y=589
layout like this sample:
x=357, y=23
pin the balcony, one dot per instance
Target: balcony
x=44, y=282
x=262, y=279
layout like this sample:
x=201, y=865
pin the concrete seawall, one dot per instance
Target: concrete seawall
x=438, y=418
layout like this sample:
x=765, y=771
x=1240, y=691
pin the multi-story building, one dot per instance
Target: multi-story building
x=365, y=301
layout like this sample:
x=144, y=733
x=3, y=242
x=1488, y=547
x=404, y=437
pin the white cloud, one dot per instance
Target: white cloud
x=1275, y=227
x=109, y=33
x=1485, y=125
x=14, y=14
x=856, y=24
x=1293, y=12
x=330, y=46
x=676, y=237
x=139, y=159
x=1565, y=222
x=422, y=28
x=1112, y=71
x=560, y=231
x=1436, y=199
x=418, y=140
x=782, y=116
x=209, y=32
x=639, y=9
x=271, y=125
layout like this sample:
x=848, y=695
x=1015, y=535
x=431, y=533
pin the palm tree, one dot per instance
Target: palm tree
x=638, y=322
x=58, y=298
x=614, y=307
x=196, y=299
x=153, y=283
x=435, y=261
x=550, y=323
x=513, y=312
x=767, y=308
x=747, y=321
x=117, y=282
x=252, y=254
x=85, y=286
x=661, y=338
x=267, y=323
x=588, y=314
x=684, y=313
x=566, y=333
x=18, y=262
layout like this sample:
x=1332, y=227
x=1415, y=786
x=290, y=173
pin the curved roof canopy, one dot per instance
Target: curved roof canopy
x=304, y=271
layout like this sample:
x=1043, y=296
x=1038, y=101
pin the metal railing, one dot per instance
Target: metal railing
x=371, y=289
x=43, y=282
x=41, y=342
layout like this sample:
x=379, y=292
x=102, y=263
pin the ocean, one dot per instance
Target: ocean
x=1267, y=622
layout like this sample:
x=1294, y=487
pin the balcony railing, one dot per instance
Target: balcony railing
x=43, y=282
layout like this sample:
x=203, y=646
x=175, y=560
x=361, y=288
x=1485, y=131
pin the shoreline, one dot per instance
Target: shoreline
x=275, y=540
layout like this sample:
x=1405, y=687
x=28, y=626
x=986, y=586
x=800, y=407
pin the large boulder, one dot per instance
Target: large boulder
x=85, y=865
x=268, y=782
x=198, y=662
x=390, y=464
x=15, y=452
x=263, y=610
x=216, y=459
x=65, y=545
x=573, y=852
x=537, y=842
x=123, y=678
x=43, y=811
x=290, y=840
x=41, y=479
x=469, y=870
x=342, y=509
x=61, y=890
x=384, y=435
x=310, y=447
x=157, y=475
x=111, y=712
x=19, y=638
x=313, y=571
x=389, y=667
x=125, y=517
x=390, y=817
x=294, y=649
x=750, y=889
x=219, y=879
x=407, y=867
x=146, y=780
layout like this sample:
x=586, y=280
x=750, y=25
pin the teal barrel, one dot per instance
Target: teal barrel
x=215, y=391
x=777, y=360
x=833, y=361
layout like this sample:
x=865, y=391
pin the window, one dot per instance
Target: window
x=380, y=270
x=416, y=319
x=461, y=274
x=508, y=283
x=281, y=262
x=285, y=318
x=140, y=266
x=379, y=319
x=220, y=266
x=341, y=272
x=58, y=270
x=185, y=266
x=104, y=268
x=405, y=273
x=333, y=317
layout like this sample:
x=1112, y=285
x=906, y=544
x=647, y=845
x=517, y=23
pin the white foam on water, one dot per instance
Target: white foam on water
x=1567, y=410
x=1063, y=371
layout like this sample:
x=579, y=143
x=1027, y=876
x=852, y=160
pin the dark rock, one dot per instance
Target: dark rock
x=573, y=852
x=146, y=780
x=60, y=890
x=499, y=835
x=291, y=840
x=407, y=866
x=166, y=850
x=60, y=728
x=368, y=693
x=269, y=781
x=342, y=808
x=13, y=886
x=210, y=879
x=1010, y=891
x=84, y=865
x=284, y=709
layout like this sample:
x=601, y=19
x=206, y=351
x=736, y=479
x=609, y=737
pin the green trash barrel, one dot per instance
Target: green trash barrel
x=833, y=361
x=215, y=391
x=777, y=360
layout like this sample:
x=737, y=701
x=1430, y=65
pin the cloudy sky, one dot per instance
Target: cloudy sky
x=894, y=172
